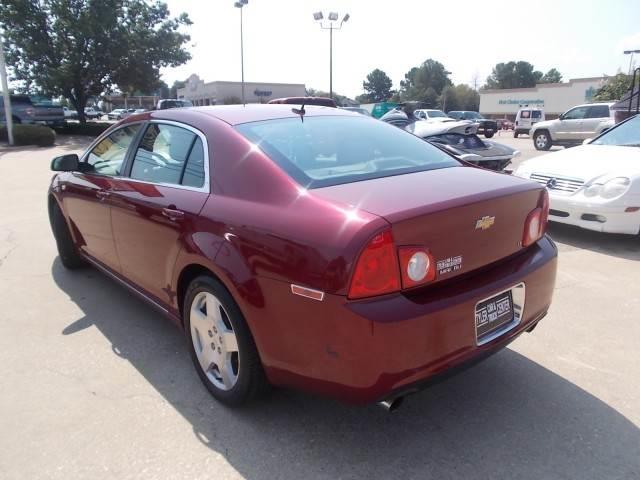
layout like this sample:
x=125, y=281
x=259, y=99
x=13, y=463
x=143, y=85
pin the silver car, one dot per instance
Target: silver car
x=573, y=126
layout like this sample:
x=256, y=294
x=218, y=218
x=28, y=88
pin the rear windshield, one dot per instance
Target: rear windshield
x=328, y=150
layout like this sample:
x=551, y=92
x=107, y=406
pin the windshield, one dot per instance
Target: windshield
x=626, y=134
x=435, y=113
x=331, y=150
x=472, y=115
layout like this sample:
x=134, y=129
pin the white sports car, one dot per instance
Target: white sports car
x=597, y=185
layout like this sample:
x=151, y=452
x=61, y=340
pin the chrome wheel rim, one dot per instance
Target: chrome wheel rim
x=214, y=341
x=541, y=141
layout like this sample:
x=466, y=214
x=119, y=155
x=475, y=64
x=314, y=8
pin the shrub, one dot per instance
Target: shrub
x=30, y=135
x=92, y=129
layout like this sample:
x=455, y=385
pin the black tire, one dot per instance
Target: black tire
x=489, y=134
x=542, y=140
x=67, y=251
x=251, y=380
x=515, y=134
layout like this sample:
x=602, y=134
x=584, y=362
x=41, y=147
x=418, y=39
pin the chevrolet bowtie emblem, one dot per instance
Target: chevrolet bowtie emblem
x=485, y=222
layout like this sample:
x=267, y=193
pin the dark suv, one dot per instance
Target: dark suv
x=24, y=110
x=486, y=127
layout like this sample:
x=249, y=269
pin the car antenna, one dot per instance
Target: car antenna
x=301, y=111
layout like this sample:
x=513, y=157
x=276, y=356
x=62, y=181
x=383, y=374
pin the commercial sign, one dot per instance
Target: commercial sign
x=521, y=101
x=262, y=93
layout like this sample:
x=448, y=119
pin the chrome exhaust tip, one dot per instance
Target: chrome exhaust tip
x=391, y=404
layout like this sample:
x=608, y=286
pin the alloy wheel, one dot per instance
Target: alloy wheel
x=541, y=141
x=214, y=341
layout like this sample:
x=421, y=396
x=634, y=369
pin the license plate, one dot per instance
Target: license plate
x=493, y=313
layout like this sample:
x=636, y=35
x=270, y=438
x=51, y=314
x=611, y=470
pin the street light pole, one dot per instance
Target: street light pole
x=5, y=93
x=333, y=17
x=239, y=4
x=331, y=60
x=627, y=52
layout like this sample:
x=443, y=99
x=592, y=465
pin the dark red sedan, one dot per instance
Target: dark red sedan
x=311, y=248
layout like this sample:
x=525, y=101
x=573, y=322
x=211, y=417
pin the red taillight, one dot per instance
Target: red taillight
x=536, y=223
x=377, y=270
x=544, y=205
x=416, y=265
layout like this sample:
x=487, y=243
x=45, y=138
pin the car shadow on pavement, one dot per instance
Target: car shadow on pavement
x=508, y=417
x=574, y=238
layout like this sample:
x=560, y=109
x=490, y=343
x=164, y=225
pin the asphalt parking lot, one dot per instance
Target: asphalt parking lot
x=95, y=384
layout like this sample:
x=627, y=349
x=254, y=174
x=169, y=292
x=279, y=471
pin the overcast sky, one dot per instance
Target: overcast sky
x=282, y=42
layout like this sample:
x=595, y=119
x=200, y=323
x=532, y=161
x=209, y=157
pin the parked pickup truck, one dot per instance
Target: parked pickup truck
x=23, y=110
x=486, y=126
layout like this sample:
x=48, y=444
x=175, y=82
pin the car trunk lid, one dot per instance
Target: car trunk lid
x=467, y=217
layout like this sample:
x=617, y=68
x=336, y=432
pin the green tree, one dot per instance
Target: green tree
x=377, y=86
x=513, y=75
x=84, y=48
x=163, y=90
x=552, y=76
x=312, y=92
x=460, y=97
x=425, y=83
x=614, y=88
x=177, y=85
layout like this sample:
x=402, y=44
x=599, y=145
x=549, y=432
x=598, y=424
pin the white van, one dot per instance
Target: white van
x=526, y=118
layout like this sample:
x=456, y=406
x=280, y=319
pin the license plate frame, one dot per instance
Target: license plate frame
x=499, y=313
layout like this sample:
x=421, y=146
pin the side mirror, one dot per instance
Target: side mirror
x=66, y=163
x=561, y=116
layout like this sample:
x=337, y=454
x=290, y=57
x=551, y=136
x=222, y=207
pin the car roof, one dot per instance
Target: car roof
x=237, y=114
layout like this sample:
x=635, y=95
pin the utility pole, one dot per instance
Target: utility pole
x=5, y=93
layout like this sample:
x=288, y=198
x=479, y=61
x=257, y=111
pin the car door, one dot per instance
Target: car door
x=570, y=124
x=156, y=206
x=596, y=114
x=86, y=196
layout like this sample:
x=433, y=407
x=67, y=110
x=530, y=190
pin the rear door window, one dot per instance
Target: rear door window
x=536, y=114
x=598, y=111
x=525, y=114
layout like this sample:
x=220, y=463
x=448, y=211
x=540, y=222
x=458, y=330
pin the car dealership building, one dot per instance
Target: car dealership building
x=216, y=93
x=553, y=98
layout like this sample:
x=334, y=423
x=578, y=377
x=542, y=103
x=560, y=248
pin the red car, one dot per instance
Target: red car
x=316, y=249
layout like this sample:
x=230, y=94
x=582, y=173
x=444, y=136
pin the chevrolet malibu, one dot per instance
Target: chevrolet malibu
x=308, y=247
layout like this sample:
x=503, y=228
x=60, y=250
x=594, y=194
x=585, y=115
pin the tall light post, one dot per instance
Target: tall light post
x=330, y=25
x=444, y=92
x=631, y=52
x=239, y=4
x=5, y=93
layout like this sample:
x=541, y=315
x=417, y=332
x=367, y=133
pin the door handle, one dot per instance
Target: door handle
x=102, y=195
x=173, y=214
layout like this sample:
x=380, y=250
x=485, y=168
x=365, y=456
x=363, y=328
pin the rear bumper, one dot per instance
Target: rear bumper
x=367, y=350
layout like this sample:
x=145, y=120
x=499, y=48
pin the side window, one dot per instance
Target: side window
x=194, y=171
x=162, y=154
x=107, y=157
x=598, y=111
x=576, y=113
